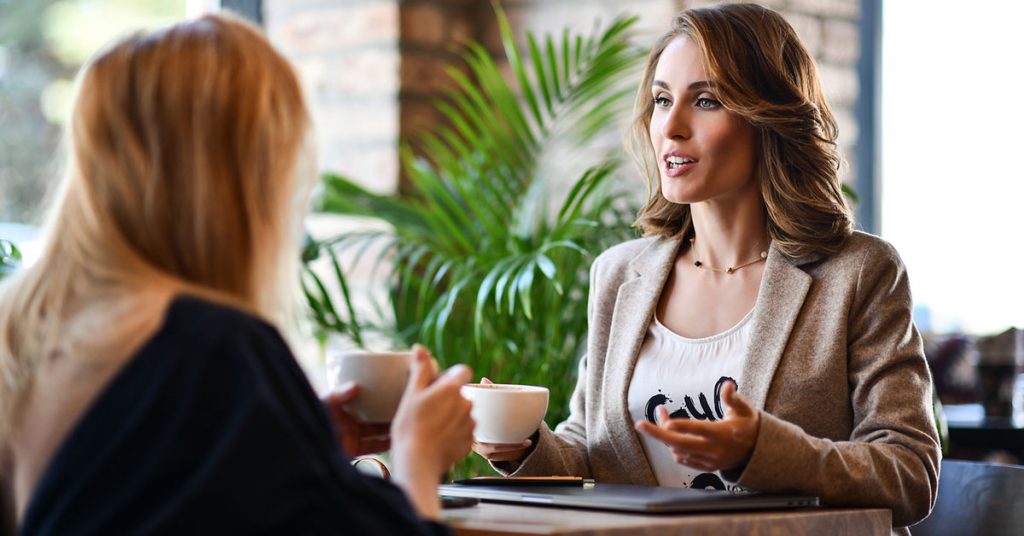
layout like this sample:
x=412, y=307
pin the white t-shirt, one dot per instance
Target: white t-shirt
x=686, y=375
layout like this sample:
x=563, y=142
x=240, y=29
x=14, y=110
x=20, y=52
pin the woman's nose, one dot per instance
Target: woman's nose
x=677, y=124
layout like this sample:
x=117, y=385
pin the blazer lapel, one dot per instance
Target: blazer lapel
x=636, y=302
x=781, y=296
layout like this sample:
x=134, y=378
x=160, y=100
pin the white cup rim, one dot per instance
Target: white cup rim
x=373, y=353
x=506, y=387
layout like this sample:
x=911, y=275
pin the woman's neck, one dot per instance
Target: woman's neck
x=729, y=234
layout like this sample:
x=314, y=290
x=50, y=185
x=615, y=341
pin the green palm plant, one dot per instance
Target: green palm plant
x=10, y=257
x=478, y=265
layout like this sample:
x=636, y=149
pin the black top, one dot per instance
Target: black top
x=211, y=428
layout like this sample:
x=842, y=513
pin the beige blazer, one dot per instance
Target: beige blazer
x=835, y=365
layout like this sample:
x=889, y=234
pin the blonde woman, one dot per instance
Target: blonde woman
x=145, y=388
x=751, y=281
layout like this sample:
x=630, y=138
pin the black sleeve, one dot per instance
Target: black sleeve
x=212, y=433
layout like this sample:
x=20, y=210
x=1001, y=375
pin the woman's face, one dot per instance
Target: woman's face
x=705, y=153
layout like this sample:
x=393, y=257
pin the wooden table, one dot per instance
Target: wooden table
x=493, y=519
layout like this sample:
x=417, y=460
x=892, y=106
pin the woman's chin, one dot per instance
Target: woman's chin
x=681, y=194
x=678, y=198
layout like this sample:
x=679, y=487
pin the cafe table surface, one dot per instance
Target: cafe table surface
x=507, y=519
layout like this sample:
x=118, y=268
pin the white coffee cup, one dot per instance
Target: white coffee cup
x=381, y=376
x=506, y=413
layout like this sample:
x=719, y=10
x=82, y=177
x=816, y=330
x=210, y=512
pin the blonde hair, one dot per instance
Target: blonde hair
x=184, y=149
x=764, y=74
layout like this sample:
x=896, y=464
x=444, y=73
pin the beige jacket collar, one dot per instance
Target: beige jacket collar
x=781, y=295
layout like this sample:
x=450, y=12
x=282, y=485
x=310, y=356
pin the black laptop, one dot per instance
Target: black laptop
x=628, y=498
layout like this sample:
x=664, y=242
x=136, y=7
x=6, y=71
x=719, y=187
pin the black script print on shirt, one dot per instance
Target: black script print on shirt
x=690, y=410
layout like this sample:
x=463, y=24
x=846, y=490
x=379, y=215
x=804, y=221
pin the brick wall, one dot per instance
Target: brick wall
x=347, y=54
x=372, y=68
x=431, y=34
x=827, y=27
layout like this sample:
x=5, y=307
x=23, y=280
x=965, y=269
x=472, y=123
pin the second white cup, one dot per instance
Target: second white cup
x=381, y=376
x=506, y=413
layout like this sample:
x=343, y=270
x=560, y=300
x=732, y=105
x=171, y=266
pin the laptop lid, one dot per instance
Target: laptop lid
x=629, y=498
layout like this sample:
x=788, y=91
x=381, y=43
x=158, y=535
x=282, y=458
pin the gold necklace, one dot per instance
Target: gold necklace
x=730, y=270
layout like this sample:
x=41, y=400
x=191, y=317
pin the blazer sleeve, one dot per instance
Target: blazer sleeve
x=892, y=456
x=564, y=450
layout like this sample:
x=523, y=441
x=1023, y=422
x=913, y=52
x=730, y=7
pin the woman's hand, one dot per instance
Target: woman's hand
x=501, y=452
x=432, y=430
x=710, y=445
x=356, y=437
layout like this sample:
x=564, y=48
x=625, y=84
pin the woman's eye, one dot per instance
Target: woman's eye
x=707, y=103
x=662, y=102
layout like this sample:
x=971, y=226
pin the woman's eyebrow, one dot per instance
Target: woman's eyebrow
x=700, y=84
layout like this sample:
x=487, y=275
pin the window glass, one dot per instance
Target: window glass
x=42, y=45
x=952, y=183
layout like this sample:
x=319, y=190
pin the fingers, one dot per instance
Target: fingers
x=336, y=403
x=661, y=415
x=344, y=394
x=708, y=445
x=456, y=375
x=738, y=404
x=672, y=438
x=687, y=449
x=741, y=406
x=422, y=371
x=656, y=432
x=502, y=452
x=434, y=366
x=693, y=427
x=696, y=461
x=508, y=456
x=501, y=447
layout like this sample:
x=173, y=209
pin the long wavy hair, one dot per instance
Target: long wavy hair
x=763, y=73
x=187, y=164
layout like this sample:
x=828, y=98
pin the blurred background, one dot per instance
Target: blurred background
x=925, y=91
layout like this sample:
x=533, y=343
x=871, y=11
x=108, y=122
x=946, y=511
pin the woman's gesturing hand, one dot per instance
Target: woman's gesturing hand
x=710, y=445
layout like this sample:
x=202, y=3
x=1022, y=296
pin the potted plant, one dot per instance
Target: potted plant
x=478, y=263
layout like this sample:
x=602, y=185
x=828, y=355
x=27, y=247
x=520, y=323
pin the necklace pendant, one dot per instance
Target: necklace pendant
x=698, y=264
x=729, y=270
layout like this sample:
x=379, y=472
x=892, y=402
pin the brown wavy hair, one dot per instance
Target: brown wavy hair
x=763, y=73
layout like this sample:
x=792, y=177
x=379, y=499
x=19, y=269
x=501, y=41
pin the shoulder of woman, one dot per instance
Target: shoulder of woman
x=213, y=324
x=866, y=250
x=620, y=255
x=865, y=260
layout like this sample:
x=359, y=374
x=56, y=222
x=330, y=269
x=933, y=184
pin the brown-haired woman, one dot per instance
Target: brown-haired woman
x=145, y=389
x=751, y=281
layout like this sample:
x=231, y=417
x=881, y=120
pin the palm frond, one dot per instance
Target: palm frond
x=479, y=265
x=10, y=257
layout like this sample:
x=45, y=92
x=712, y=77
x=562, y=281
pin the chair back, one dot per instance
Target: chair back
x=976, y=499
